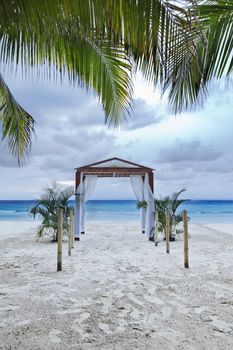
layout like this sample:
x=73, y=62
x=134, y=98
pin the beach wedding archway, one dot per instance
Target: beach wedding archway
x=142, y=181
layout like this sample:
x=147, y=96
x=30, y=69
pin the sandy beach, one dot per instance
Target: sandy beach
x=117, y=290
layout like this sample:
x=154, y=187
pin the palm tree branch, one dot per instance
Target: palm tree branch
x=17, y=124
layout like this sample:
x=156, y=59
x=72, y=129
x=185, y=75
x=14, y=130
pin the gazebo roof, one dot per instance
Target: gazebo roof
x=114, y=167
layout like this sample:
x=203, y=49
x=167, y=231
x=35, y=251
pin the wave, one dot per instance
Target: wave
x=219, y=212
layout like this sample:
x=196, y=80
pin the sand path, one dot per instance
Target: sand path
x=117, y=291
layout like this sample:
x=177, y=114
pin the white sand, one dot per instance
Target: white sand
x=117, y=291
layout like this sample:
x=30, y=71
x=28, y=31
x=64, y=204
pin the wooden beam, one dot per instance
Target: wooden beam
x=114, y=170
x=113, y=174
x=112, y=159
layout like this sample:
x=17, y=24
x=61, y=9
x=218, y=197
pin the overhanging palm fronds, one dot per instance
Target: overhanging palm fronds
x=216, y=22
x=179, y=46
x=162, y=37
x=17, y=124
x=91, y=62
x=57, y=43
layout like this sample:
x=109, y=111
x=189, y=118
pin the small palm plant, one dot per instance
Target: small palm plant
x=142, y=204
x=47, y=206
x=170, y=203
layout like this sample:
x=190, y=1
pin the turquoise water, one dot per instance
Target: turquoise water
x=200, y=211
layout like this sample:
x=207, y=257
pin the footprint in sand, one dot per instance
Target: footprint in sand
x=118, y=293
x=68, y=311
x=83, y=317
x=152, y=290
x=54, y=336
x=221, y=326
x=153, y=299
x=105, y=328
x=218, y=325
x=120, y=329
x=166, y=311
x=200, y=309
x=135, y=300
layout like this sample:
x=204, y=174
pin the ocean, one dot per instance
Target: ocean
x=200, y=211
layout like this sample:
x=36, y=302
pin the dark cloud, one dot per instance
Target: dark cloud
x=144, y=115
x=6, y=160
x=194, y=150
x=169, y=173
x=70, y=132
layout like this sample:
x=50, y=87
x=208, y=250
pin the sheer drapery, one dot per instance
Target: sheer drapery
x=83, y=193
x=89, y=184
x=150, y=212
x=78, y=208
x=142, y=192
x=138, y=188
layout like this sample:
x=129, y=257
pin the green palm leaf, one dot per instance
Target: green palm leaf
x=216, y=19
x=58, y=45
x=17, y=124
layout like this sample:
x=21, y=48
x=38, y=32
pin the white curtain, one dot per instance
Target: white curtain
x=83, y=193
x=138, y=188
x=78, y=208
x=89, y=184
x=150, y=212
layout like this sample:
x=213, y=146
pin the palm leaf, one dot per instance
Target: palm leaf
x=59, y=45
x=216, y=19
x=59, y=41
x=65, y=195
x=17, y=124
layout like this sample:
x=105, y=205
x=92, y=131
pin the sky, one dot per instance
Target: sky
x=191, y=150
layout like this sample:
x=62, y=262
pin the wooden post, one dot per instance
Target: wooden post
x=167, y=231
x=186, y=245
x=72, y=226
x=70, y=238
x=156, y=227
x=59, y=240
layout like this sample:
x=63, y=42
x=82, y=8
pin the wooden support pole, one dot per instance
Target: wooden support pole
x=59, y=240
x=72, y=227
x=70, y=237
x=186, y=245
x=156, y=227
x=167, y=231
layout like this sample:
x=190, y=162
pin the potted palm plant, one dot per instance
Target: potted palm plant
x=170, y=203
x=47, y=205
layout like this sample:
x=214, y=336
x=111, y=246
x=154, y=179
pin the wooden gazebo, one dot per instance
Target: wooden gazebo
x=112, y=167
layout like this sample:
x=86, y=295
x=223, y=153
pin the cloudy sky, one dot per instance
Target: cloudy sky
x=192, y=150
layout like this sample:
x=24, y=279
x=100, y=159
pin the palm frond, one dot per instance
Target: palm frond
x=61, y=48
x=179, y=46
x=142, y=204
x=17, y=124
x=216, y=21
x=161, y=38
x=175, y=195
x=65, y=195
